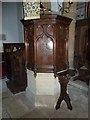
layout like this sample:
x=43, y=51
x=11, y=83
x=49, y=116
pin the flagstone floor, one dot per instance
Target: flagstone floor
x=19, y=106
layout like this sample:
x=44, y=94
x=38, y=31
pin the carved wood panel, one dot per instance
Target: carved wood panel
x=29, y=46
x=62, y=50
x=44, y=47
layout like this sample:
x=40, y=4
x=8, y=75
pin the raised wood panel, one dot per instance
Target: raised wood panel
x=29, y=46
x=61, y=48
x=44, y=47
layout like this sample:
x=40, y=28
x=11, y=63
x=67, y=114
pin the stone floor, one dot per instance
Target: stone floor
x=19, y=106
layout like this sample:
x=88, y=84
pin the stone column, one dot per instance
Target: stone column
x=71, y=14
x=42, y=90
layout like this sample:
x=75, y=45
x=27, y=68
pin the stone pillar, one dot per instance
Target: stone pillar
x=42, y=90
x=71, y=14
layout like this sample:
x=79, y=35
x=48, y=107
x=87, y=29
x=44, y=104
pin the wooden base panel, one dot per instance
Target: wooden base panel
x=15, y=88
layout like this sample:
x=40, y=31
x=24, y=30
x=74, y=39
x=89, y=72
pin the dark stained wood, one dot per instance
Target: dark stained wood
x=82, y=49
x=87, y=8
x=64, y=77
x=2, y=66
x=63, y=95
x=46, y=43
x=15, y=66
